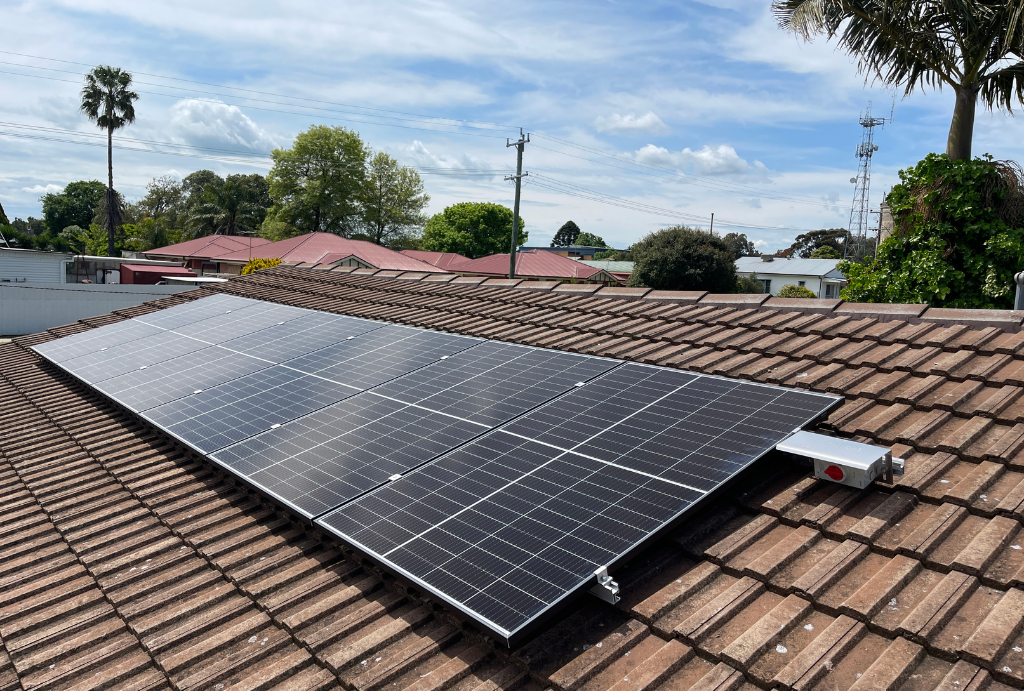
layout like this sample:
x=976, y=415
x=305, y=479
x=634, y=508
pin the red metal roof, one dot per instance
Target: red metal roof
x=529, y=263
x=439, y=259
x=156, y=269
x=209, y=247
x=316, y=248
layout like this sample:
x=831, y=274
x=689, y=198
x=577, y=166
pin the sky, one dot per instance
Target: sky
x=640, y=115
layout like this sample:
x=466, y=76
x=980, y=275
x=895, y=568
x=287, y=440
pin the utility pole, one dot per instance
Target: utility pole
x=518, y=177
x=712, y=228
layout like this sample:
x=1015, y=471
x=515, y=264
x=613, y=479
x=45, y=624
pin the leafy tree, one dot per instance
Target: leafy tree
x=316, y=184
x=749, y=284
x=257, y=263
x=150, y=233
x=473, y=229
x=164, y=200
x=740, y=245
x=91, y=240
x=107, y=101
x=973, y=47
x=957, y=241
x=235, y=206
x=392, y=201
x=806, y=243
x=615, y=255
x=74, y=206
x=566, y=235
x=682, y=258
x=826, y=252
x=589, y=240
x=792, y=291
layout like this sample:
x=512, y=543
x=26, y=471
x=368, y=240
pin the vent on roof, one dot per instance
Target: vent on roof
x=847, y=462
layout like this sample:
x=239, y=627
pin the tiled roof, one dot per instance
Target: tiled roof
x=314, y=248
x=529, y=264
x=128, y=563
x=209, y=247
x=439, y=259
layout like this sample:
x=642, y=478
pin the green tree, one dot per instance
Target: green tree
x=234, y=206
x=91, y=240
x=749, y=284
x=974, y=47
x=958, y=238
x=316, y=184
x=589, y=240
x=392, y=201
x=474, y=229
x=740, y=245
x=164, y=200
x=806, y=243
x=826, y=252
x=74, y=206
x=791, y=291
x=566, y=235
x=682, y=258
x=108, y=101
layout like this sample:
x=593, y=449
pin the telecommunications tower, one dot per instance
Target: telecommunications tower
x=860, y=220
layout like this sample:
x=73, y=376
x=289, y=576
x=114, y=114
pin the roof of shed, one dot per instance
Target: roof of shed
x=129, y=563
x=794, y=266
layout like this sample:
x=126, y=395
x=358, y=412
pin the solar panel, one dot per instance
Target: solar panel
x=239, y=322
x=312, y=331
x=190, y=312
x=326, y=458
x=86, y=342
x=513, y=523
x=121, y=358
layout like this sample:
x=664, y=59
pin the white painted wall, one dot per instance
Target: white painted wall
x=28, y=308
x=812, y=283
x=33, y=267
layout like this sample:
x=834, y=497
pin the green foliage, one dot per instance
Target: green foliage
x=792, y=291
x=749, y=284
x=257, y=263
x=826, y=252
x=233, y=206
x=33, y=235
x=682, y=258
x=616, y=255
x=566, y=235
x=316, y=184
x=806, y=244
x=473, y=229
x=957, y=242
x=740, y=245
x=91, y=240
x=589, y=240
x=74, y=206
x=150, y=233
x=392, y=202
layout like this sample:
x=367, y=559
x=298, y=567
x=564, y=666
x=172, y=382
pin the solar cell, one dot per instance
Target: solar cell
x=335, y=454
x=189, y=312
x=222, y=415
x=92, y=341
x=239, y=322
x=309, y=332
x=115, y=360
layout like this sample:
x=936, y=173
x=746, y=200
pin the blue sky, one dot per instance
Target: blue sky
x=642, y=114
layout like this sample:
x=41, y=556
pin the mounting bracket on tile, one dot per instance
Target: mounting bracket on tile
x=606, y=588
x=844, y=461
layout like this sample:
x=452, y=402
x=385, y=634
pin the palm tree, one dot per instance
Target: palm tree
x=232, y=207
x=107, y=101
x=975, y=48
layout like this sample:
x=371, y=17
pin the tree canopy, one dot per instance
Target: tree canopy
x=826, y=252
x=683, y=258
x=739, y=245
x=473, y=229
x=392, y=201
x=974, y=47
x=590, y=240
x=958, y=237
x=807, y=243
x=566, y=235
x=75, y=205
x=236, y=205
x=316, y=184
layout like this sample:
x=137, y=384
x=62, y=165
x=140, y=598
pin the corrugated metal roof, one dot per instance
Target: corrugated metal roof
x=610, y=266
x=529, y=263
x=441, y=260
x=789, y=267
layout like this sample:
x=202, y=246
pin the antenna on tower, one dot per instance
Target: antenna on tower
x=857, y=242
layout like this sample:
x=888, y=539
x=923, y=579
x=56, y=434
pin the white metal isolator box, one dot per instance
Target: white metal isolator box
x=843, y=461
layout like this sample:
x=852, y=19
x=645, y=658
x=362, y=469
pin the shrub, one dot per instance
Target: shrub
x=257, y=263
x=792, y=291
x=682, y=258
x=826, y=252
x=749, y=284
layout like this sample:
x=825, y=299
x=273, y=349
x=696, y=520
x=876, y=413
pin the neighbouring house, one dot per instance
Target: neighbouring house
x=203, y=254
x=535, y=265
x=819, y=276
x=132, y=562
x=148, y=274
x=439, y=259
x=312, y=249
x=572, y=251
x=619, y=269
x=33, y=266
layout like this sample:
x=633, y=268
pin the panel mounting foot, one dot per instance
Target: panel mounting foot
x=606, y=588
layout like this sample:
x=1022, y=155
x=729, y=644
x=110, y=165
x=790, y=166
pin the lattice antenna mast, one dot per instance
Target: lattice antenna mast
x=860, y=220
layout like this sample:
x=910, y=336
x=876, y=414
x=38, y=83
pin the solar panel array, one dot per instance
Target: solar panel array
x=500, y=477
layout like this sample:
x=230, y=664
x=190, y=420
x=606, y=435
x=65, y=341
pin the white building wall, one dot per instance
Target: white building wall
x=32, y=267
x=812, y=283
x=27, y=308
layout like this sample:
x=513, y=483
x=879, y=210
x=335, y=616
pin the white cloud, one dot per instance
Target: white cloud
x=40, y=189
x=722, y=160
x=753, y=203
x=417, y=154
x=217, y=125
x=619, y=124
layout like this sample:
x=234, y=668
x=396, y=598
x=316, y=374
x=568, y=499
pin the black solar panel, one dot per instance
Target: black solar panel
x=518, y=520
x=333, y=455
